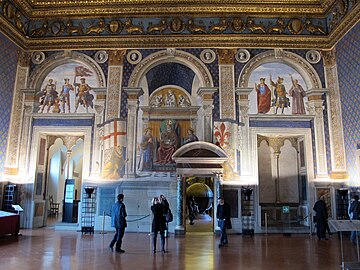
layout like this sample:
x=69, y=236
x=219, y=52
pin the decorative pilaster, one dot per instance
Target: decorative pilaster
x=227, y=83
x=28, y=107
x=14, y=135
x=115, y=71
x=315, y=106
x=98, y=133
x=132, y=106
x=243, y=103
x=337, y=145
x=207, y=100
x=180, y=221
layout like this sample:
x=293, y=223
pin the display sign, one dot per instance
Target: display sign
x=286, y=209
x=69, y=191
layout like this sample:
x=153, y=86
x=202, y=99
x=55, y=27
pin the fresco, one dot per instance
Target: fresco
x=68, y=89
x=279, y=89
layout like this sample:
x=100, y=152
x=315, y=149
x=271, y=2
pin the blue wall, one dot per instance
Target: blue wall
x=348, y=61
x=8, y=60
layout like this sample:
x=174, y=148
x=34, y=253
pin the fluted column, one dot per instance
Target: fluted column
x=207, y=99
x=243, y=103
x=180, y=220
x=336, y=130
x=132, y=106
x=315, y=106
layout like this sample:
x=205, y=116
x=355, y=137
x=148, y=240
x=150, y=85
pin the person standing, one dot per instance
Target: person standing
x=224, y=222
x=158, y=223
x=321, y=218
x=166, y=210
x=118, y=220
x=297, y=93
x=354, y=211
x=263, y=96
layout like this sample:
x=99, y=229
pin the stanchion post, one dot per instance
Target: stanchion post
x=103, y=224
x=266, y=223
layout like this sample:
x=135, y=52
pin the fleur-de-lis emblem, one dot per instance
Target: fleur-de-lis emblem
x=222, y=135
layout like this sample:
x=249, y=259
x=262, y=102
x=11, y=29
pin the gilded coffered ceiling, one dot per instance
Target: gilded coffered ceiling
x=75, y=24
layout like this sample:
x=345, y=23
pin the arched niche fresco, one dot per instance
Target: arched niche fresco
x=265, y=99
x=68, y=88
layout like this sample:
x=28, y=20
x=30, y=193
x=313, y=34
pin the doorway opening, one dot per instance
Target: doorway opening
x=199, y=204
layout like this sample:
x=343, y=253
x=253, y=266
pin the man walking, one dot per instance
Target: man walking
x=223, y=217
x=118, y=220
x=354, y=211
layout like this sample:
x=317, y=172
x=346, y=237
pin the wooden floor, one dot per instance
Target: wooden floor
x=49, y=249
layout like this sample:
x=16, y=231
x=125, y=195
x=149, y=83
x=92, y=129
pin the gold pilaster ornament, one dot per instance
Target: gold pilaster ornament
x=329, y=57
x=24, y=58
x=116, y=57
x=226, y=56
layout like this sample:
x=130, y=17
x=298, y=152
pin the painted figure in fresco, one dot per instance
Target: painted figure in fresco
x=168, y=143
x=183, y=101
x=146, y=151
x=280, y=100
x=263, y=96
x=170, y=99
x=84, y=97
x=157, y=101
x=65, y=94
x=297, y=92
x=191, y=137
x=49, y=95
x=112, y=168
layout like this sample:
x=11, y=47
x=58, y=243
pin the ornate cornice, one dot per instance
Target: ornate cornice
x=41, y=9
x=97, y=28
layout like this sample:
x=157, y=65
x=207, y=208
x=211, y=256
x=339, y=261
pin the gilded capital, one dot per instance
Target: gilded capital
x=116, y=57
x=329, y=57
x=226, y=56
x=24, y=58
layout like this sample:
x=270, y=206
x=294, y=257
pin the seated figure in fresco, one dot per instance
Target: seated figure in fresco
x=191, y=137
x=170, y=99
x=280, y=100
x=168, y=143
x=146, y=151
x=112, y=169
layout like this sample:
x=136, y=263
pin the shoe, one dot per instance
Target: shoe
x=164, y=251
x=192, y=223
x=120, y=251
x=154, y=250
x=111, y=249
x=221, y=245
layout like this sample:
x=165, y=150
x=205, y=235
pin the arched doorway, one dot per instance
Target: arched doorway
x=201, y=161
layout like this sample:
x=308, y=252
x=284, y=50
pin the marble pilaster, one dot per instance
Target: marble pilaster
x=315, y=106
x=207, y=99
x=243, y=103
x=132, y=106
x=336, y=131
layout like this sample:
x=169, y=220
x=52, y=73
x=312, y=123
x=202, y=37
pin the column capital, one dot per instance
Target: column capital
x=243, y=93
x=207, y=93
x=133, y=93
x=316, y=93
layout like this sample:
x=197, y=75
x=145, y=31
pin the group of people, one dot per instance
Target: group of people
x=321, y=217
x=280, y=100
x=49, y=97
x=160, y=209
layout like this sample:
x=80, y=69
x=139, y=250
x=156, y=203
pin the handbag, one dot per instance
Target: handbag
x=169, y=216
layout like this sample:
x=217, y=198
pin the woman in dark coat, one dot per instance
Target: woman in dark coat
x=321, y=218
x=158, y=223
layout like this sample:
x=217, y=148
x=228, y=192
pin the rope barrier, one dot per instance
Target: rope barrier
x=107, y=214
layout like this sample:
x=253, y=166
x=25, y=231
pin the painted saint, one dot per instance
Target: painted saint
x=297, y=93
x=263, y=96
